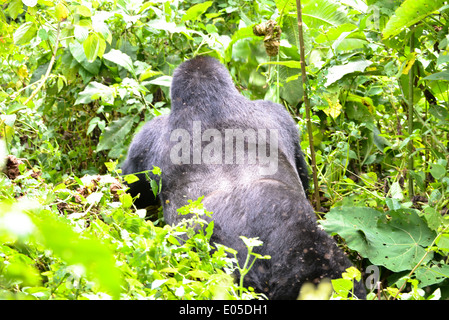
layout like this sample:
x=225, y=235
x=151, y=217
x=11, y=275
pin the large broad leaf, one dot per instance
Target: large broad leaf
x=291, y=32
x=292, y=90
x=77, y=51
x=240, y=34
x=95, y=90
x=409, y=13
x=95, y=257
x=396, y=240
x=15, y=7
x=443, y=75
x=122, y=59
x=322, y=13
x=344, y=37
x=25, y=33
x=195, y=11
x=81, y=33
x=337, y=72
x=94, y=47
x=435, y=274
x=164, y=81
x=439, y=112
x=115, y=133
x=316, y=14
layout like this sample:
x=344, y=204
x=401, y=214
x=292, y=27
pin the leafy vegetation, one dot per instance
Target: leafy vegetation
x=79, y=78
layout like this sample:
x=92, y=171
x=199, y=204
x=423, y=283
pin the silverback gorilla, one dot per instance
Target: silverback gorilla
x=244, y=157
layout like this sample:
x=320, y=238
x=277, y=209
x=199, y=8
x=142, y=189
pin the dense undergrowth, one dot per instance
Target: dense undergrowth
x=79, y=78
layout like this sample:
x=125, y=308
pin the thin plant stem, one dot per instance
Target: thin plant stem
x=410, y=116
x=50, y=66
x=307, y=105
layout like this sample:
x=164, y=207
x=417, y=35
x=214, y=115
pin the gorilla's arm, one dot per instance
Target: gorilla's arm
x=301, y=166
x=146, y=150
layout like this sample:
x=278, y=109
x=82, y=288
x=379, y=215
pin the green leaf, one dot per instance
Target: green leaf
x=41, y=293
x=438, y=171
x=96, y=121
x=61, y=11
x=323, y=13
x=77, y=51
x=94, y=46
x=20, y=269
x=43, y=34
x=58, y=236
x=148, y=73
x=199, y=274
x=84, y=11
x=240, y=34
x=439, y=112
x=15, y=8
x=164, y=81
x=292, y=89
x=251, y=242
x=352, y=273
x=342, y=287
x=396, y=241
x=100, y=26
x=290, y=29
x=25, y=33
x=337, y=72
x=396, y=191
x=173, y=240
x=130, y=178
x=157, y=283
x=170, y=27
x=156, y=170
x=126, y=200
x=443, y=242
x=409, y=13
x=433, y=218
x=443, y=75
x=95, y=90
x=154, y=187
x=434, y=197
x=194, y=12
x=435, y=274
x=115, y=133
x=122, y=59
x=81, y=33
x=419, y=177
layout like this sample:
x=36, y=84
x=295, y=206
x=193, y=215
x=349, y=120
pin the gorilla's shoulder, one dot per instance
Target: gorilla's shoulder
x=154, y=125
x=271, y=106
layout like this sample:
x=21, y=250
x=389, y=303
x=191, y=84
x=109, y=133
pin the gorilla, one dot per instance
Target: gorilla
x=244, y=157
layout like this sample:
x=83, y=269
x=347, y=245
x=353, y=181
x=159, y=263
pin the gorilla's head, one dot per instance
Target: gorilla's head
x=199, y=81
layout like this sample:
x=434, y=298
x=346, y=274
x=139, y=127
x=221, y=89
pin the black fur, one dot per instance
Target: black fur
x=245, y=201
